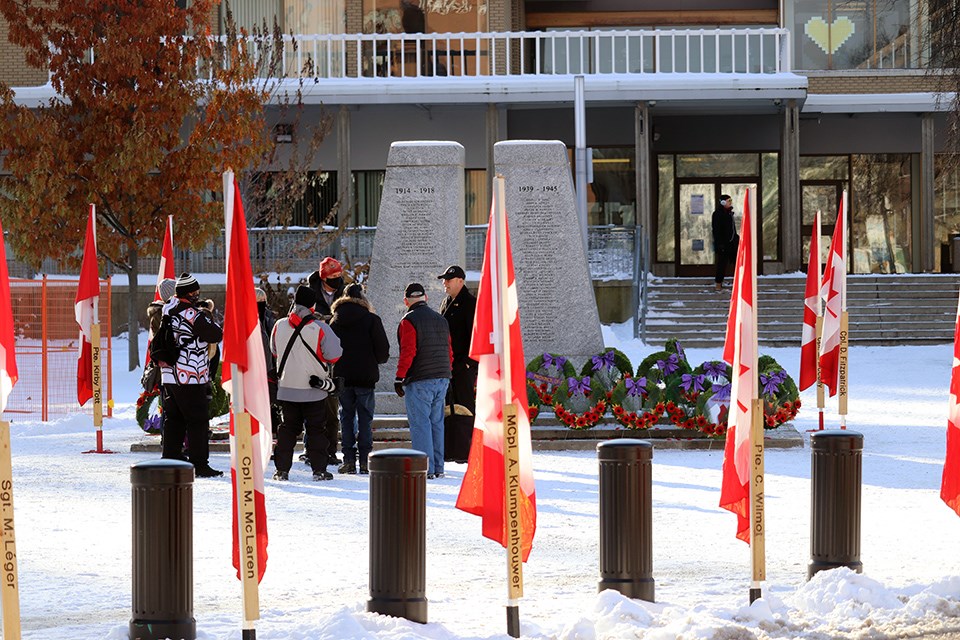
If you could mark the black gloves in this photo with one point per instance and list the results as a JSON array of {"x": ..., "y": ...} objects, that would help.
[{"x": 398, "y": 386}]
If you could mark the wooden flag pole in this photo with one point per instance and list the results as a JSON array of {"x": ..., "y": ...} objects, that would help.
[
  {"x": 821, "y": 400},
  {"x": 511, "y": 448},
  {"x": 842, "y": 385},
  {"x": 246, "y": 508},
  {"x": 758, "y": 563},
  {"x": 10, "y": 597}
]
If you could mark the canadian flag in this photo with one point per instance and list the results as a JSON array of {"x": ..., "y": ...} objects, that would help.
[
  {"x": 811, "y": 311},
  {"x": 166, "y": 270},
  {"x": 8, "y": 359},
  {"x": 85, "y": 308},
  {"x": 834, "y": 292},
  {"x": 950, "y": 484},
  {"x": 243, "y": 348},
  {"x": 740, "y": 351},
  {"x": 482, "y": 492}
]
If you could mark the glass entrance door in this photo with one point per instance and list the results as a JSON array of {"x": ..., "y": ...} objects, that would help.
[
  {"x": 823, "y": 196},
  {"x": 696, "y": 202}
]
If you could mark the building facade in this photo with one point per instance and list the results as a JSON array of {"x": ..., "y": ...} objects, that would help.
[{"x": 802, "y": 99}]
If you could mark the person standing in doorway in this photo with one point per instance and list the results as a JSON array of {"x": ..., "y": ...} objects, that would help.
[
  {"x": 725, "y": 238},
  {"x": 423, "y": 374}
]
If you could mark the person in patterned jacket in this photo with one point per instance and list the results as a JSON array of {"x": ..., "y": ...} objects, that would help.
[{"x": 185, "y": 403}]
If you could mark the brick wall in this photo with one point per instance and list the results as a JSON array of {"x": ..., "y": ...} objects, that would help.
[
  {"x": 13, "y": 70},
  {"x": 878, "y": 82}
]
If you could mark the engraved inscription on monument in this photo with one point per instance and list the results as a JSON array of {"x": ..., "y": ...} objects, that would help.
[{"x": 558, "y": 309}]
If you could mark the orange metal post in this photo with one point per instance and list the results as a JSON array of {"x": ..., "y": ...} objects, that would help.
[{"x": 44, "y": 395}]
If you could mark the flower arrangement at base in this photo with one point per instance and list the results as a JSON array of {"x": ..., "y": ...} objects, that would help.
[
  {"x": 606, "y": 369},
  {"x": 781, "y": 398},
  {"x": 710, "y": 415},
  {"x": 578, "y": 405},
  {"x": 151, "y": 423},
  {"x": 672, "y": 374},
  {"x": 636, "y": 403},
  {"x": 544, "y": 375}
]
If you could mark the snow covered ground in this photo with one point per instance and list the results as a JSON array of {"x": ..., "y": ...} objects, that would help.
[{"x": 74, "y": 535}]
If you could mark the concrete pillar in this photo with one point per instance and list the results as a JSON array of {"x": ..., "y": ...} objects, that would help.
[
  {"x": 926, "y": 235},
  {"x": 642, "y": 138},
  {"x": 790, "y": 214},
  {"x": 493, "y": 137},
  {"x": 344, "y": 177}
]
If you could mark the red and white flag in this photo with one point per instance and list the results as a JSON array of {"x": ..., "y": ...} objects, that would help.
[
  {"x": 85, "y": 308},
  {"x": 950, "y": 484},
  {"x": 834, "y": 292},
  {"x": 8, "y": 359},
  {"x": 483, "y": 490},
  {"x": 167, "y": 271},
  {"x": 811, "y": 311},
  {"x": 243, "y": 347},
  {"x": 740, "y": 351}
]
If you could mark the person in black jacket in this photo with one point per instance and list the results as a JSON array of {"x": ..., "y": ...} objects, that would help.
[
  {"x": 423, "y": 374},
  {"x": 724, "y": 238},
  {"x": 459, "y": 307},
  {"x": 185, "y": 381},
  {"x": 365, "y": 348}
]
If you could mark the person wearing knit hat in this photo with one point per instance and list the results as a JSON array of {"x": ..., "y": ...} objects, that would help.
[
  {"x": 305, "y": 348},
  {"x": 187, "y": 284},
  {"x": 186, "y": 382},
  {"x": 166, "y": 289},
  {"x": 327, "y": 282}
]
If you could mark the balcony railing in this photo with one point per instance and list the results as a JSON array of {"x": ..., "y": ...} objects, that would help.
[
  {"x": 296, "y": 252},
  {"x": 536, "y": 53}
]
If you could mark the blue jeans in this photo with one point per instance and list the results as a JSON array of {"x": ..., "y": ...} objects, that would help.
[
  {"x": 424, "y": 401},
  {"x": 356, "y": 420}
]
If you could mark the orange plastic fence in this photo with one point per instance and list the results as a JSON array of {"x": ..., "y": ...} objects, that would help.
[{"x": 47, "y": 337}]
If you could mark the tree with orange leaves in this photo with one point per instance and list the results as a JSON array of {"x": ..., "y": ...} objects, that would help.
[{"x": 149, "y": 109}]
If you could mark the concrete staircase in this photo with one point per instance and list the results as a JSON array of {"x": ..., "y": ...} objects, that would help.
[{"x": 883, "y": 309}]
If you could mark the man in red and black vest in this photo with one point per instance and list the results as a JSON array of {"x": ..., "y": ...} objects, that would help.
[{"x": 423, "y": 374}]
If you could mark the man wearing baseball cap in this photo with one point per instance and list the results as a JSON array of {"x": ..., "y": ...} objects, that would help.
[
  {"x": 459, "y": 307},
  {"x": 423, "y": 374}
]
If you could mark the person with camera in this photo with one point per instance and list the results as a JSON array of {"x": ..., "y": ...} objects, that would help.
[
  {"x": 328, "y": 283},
  {"x": 186, "y": 381},
  {"x": 306, "y": 348}
]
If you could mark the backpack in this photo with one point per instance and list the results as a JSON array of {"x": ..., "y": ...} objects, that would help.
[{"x": 164, "y": 347}]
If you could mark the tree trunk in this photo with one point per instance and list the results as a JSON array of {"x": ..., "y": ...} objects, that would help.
[{"x": 133, "y": 310}]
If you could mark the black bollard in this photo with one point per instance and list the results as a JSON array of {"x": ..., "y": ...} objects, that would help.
[
  {"x": 162, "y": 551},
  {"x": 398, "y": 542},
  {"x": 835, "y": 475},
  {"x": 626, "y": 517}
]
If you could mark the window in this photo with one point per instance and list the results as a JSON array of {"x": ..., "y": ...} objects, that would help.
[
  {"x": 367, "y": 189},
  {"x": 281, "y": 201},
  {"x": 477, "y": 196},
  {"x": 946, "y": 212},
  {"x": 881, "y": 212},
  {"x": 862, "y": 34}
]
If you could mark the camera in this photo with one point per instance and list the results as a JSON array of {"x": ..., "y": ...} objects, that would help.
[{"x": 315, "y": 382}]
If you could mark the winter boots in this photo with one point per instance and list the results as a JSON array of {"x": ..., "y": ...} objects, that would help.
[{"x": 348, "y": 466}]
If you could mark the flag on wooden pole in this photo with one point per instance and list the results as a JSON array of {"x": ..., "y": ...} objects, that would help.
[
  {"x": 85, "y": 308},
  {"x": 482, "y": 491},
  {"x": 245, "y": 378},
  {"x": 498, "y": 484},
  {"x": 742, "y": 488},
  {"x": 740, "y": 351},
  {"x": 834, "y": 292},
  {"x": 809, "y": 352},
  {"x": 950, "y": 484},
  {"x": 10, "y": 597}
]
